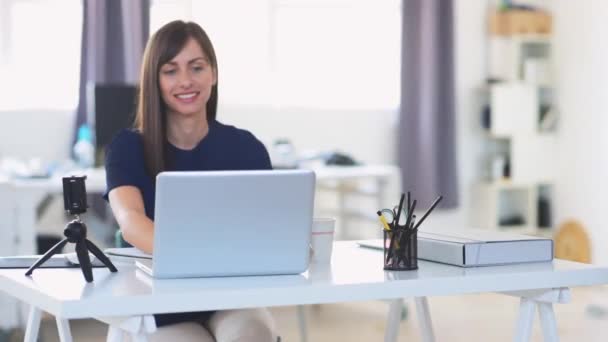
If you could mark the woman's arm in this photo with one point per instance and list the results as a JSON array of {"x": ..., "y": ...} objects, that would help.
[{"x": 128, "y": 207}]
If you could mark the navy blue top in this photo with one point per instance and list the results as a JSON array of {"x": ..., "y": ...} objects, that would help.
[{"x": 224, "y": 148}]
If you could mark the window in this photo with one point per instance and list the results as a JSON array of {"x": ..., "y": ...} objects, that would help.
[
  {"x": 340, "y": 54},
  {"x": 39, "y": 54}
]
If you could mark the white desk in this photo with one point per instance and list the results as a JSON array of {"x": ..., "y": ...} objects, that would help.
[
  {"x": 355, "y": 275},
  {"x": 19, "y": 199}
]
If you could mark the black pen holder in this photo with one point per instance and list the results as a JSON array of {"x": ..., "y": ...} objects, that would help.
[{"x": 401, "y": 249}]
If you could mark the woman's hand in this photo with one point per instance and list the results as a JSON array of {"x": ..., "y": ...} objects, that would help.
[{"x": 128, "y": 207}]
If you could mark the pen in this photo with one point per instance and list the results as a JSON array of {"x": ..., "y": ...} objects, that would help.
[
  {"x": 383, "y": 221},
  {"x": 410, "y": 212},
  {"x": 429, "y": 211},
  {"x": 390, "y": 252},
  {"x": 409, "y": 231},
  {"x": 409, "y": 203},
  {"x": 399, "y": 210}
]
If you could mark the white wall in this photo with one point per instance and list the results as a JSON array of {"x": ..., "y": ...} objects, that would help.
[
  {"x": 369, "y": 135},
  {"x": 36, "y": 134},
  {"x": 581, "y": 53}
]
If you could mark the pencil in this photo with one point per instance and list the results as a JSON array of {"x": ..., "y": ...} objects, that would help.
[
  {"x": 429, "y": 211},
  {"x": 399, "y": 210},
  {"x": 409, "y": 203},
  {"x": 410, "y": 213},
  {"x": 406, "y": 235},
  {"x": 390, "y": 252},
  {"x": 383, "y": 221}
]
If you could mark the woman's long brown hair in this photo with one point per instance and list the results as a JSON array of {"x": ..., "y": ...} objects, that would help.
[{"x": 151, "y": 115}]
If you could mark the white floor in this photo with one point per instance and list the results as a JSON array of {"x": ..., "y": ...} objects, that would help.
[{"x": 466, "y": 318}]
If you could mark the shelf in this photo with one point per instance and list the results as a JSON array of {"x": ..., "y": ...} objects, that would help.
[
  {"x": 508, "y": 55},
  {"x": 518, "y": 121},
  {"x": 515, "y": 228},
  {"x": 526, "y": 38},
  {"x": 490, "y": 135},
  {"x": 506, "y": 185},
  {"x": 540, "y": 133},
  {"x": 527, "y": 230}
]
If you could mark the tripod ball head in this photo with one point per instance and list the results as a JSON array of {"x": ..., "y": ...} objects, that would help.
[{"x": 75, "y": 231}]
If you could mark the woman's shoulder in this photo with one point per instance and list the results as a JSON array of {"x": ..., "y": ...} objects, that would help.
[
  {"x": 126, "y": 138},
  {"x": 244, "y": 146},
  {"x": 126, "y": 144},
  {"x": 232, "y": 132}
]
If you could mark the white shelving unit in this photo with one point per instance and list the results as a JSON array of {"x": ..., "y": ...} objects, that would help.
[
  {"x": 497, "y": 202},
  {"x": 510, "y": 55},
  {"x": 518, "y": 98}
]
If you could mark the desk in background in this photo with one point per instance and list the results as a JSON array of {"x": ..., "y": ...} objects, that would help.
[
  {"x": 26, "y": 195},
  {"x": 355, "y": 274},
  {"x": 348, "y": 181}
]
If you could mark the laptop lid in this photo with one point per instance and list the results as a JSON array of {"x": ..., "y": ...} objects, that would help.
[{"x": 225, "y": 223}]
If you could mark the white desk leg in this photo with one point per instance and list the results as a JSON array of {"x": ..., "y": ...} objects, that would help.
[
  {"x": 547, "y": 321},
  {"x": 525, "y": 320},
  {"x": 26, "y": 229},
  {"x": 392, "y": 322},
  {"x": 137, "y": 327},
  {"x": 341, "y": 193},
  {"x": 33, "y": 325},
  {"x": 141, "y": 337},
  {"x": 424, "y": 317},
  {"x": 302, "y": 323},
  {"x": 115, "y": 334},
  {"x": 26, "y": 220},
  {"x": 63, "y": 327},
  {"x": 544, "y": 299}
]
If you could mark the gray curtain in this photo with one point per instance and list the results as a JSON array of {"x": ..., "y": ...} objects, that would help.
[
  {"x": 114, "y": 35},
  {"x": 426, "y": 150}
]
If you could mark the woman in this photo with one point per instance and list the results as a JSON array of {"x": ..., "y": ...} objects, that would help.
[{"x": 176, "y": 130}]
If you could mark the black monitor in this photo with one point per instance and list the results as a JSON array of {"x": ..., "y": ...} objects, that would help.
[{"x": 113, "y": 108}]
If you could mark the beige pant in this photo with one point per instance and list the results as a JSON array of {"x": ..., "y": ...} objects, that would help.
[{"x": 251, "y": 325}]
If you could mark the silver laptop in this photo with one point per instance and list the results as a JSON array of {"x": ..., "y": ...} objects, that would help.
[{"x": 231, "y": 223}]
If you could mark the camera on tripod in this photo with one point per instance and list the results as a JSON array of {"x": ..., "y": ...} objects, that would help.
[
  {"x": 75, "y": 203},
  {"x": 74, "y": 195}
]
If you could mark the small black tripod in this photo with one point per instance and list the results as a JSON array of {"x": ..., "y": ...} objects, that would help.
[{"x": 75, "y": 203}]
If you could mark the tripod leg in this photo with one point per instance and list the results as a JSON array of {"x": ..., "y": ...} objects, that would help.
[
  {"x": 83, "y": 260},
  {"x": 102, "y": 257},
  {"x": 46, "y": 256}
]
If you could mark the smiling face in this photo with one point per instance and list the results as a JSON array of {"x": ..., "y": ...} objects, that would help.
[{"x": 186, "y": 81}]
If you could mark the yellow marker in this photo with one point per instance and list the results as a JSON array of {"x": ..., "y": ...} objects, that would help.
[{"x": 384, "y": 223}]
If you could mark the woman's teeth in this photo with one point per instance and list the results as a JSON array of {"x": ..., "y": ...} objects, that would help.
[{"x": 186, "y": 96}]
